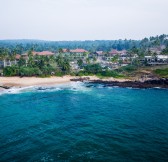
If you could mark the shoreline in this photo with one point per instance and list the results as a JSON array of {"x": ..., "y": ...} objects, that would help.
[
  {"x": 18, "y": 82},
  {"x": 125, "y": 83},
  {"x": 134, "y": 84}
]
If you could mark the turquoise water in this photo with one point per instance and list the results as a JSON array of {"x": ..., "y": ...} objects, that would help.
[{"x": 78, "y": 122}]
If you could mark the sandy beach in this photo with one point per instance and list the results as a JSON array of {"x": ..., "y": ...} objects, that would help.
[
  {"x": 35, "y": 81},
  {"x": 32, "y": 81}
]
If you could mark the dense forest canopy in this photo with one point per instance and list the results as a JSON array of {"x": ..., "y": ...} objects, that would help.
[{"x": 97, "y": 45}]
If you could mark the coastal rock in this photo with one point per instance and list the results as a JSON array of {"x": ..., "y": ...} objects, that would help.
[
  {"x": 81, "y": 79},
  {"x": 5, "y": 87},
  {"x": 162, "y": 83}
]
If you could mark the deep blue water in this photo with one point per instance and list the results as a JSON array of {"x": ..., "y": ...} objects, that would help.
[{"x": 79, "y": 123}]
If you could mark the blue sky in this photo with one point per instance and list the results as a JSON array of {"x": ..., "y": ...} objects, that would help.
[{"x": 82, "y": 19}]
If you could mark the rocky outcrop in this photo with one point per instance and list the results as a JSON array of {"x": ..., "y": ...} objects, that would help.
[
  {"x": 162, "y": 83},
  {"x": 151, "y": 83},
  {"x": 80, "y": 79},
  {"x": 5, "y": 87}
]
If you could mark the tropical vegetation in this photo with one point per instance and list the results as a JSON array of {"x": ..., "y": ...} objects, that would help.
[{"x": 59, "y": 64}]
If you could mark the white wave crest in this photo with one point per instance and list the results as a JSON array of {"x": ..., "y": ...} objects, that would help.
[{"x": 73, "y": 86}]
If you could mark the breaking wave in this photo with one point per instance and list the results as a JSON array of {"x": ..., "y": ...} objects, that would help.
[{"x": 73, "y": 86}]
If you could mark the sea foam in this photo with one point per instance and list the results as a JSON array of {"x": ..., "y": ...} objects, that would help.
[{"x": 73, "y": 86}]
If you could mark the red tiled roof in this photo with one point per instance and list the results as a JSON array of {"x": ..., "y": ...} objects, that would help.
[
  {"x": 114, "y": 52},
  {"x": 17, "y": 56},
  {"x": 43, "y": 53},
  {"x": 78, "y": 50}
]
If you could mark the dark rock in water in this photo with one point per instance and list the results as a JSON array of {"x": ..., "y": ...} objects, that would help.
[
  {"x": 162, "y": 83},
  {"x": 89, "y": 86},
  {"x": 5, "y": 87},
  {"x": 41, "y": 88},
  {"x": 81, "y": 79}
]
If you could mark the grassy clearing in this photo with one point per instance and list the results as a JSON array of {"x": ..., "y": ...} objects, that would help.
[{"x": 162, "y": 72}]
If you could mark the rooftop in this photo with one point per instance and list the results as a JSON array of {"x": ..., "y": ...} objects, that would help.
[
  {"x": 17, "y": 56},
  {"x": 78, "y": 50},
  {"x": 43, "y": 53}
]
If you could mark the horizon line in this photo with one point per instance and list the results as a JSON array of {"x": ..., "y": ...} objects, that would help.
[{"x": 34, "y": 39}]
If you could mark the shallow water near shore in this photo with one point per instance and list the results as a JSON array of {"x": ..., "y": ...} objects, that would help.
[{"x": 83, "y": 122}]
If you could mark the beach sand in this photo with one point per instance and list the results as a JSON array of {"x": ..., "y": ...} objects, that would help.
[
  {"x": 19, "y": 82},
  {"x": 32, "y": 81}
]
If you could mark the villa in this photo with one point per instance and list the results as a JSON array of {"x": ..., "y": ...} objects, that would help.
[
  {"x": 43, "y": 53},
  {"x": 78, "y": 51}
]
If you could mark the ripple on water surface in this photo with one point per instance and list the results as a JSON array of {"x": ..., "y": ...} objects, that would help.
[{"x": 83, "y": 122}]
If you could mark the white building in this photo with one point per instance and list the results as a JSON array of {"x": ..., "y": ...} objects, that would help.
[{"x": 162, "y": 58}]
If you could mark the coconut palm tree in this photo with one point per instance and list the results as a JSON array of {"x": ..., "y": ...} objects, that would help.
[
  {"x": 59, "y": 60},
  {"x": 12, "y": 56},
  {"x": 115, "y": 59},
  {"x": 60, "y": 50},
  {"x": 66, "y": 66},
  {"x": 80, "y": 62},
  {"x": 88, "y": 60},
  {"x": 94, "y": 59},
  {"x": 4, "y": 53}
]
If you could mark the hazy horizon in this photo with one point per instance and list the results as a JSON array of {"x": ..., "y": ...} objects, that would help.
[
  {"x": 34, "y": 39},
  {"x": 79, "y": 20}
]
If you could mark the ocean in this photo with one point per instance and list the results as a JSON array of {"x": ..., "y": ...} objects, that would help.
[{"x": 83, "y": 122}]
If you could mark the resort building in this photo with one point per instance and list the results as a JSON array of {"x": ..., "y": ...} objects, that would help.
[
  {"x": 78, "y": 51},
  {"x": 43, "y": 53}
]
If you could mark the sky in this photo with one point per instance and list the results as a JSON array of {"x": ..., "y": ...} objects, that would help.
[{"x": 82, "y": 19}]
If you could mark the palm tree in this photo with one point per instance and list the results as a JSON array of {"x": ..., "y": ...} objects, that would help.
[
  {"x": 31, "y": 60},
  {"x": 88, "y": 60},
  {"x": 94, "y": 59},
  {"x": 115, "y": 59},
  {"x": 30, "y": 54},
  {"x": 80, "y": 62},
  {"x": 156, "y": 42},
  {"x": 52, "y": 59},
  {"x": 133, "y": 52},
  {"x": 22, "y": 62},
  {"x": 12, "y": 56},
  {"x": 59, "y": 60},
  {"x": 85, "y": 54},
  {"x": 4, "y": 55},
  {"x": 40, "y": 61},
  {"x": 60, "y": 50},
  {"x": 66, "y": 66}
]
